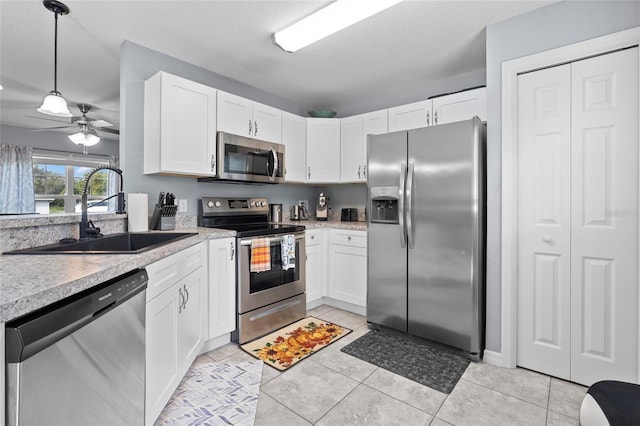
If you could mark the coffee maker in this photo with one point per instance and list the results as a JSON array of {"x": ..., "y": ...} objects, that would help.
[{"x": 322, "y": 209}]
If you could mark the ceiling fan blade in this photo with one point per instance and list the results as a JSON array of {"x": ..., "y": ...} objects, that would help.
[
  {"x": 50, "y": 119},
  {"x": 100, "y": 123},
  {"x": 51, "y": 128},
  {"x": 107, "y": 130}
]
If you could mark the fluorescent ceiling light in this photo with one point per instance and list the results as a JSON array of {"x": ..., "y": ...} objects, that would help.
[{"x": 331, "y": 19}]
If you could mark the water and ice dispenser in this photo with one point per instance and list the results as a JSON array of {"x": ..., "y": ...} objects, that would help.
[{"x": 384, "y": 204}]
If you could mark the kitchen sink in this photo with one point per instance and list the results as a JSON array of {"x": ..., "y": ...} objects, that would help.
[{"x": 126, "y": 243}]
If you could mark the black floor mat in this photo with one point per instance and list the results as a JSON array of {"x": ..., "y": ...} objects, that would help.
[{"x": 411, "y": 358}]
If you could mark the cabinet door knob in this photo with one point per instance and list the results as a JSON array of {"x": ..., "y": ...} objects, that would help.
[
  {"x": 547, "y": 238},
  {"x": 349, "y": 238},
  {"x": 313, "y": 237}
]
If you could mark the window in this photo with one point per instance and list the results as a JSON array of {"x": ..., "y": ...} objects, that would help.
[{"x": 58, "y": 180}]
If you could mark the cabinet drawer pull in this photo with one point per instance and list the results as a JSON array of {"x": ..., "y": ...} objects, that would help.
[{"x": 180, "y": 300}]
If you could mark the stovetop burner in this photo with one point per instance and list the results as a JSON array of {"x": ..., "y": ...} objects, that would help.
[
  {"x": 247, "y": 216},
  {"x": 258, "y": 229}
]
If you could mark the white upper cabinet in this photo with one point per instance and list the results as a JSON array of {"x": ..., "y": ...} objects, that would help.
[
  {"x": 243, "y": 117},
  {"x": 439, "y": 110},
  {"x": 410, "y": 116},
  {"x": 323, "y": 150},
  {"x": 353, "y": 143},
  {"x": 351, "y": 149},
  {"x": 294, "y": 137},
  {"x": 460, "y": 106},
  {"x": 373, "y": 123},
  {"x": 179, "y": 126}
]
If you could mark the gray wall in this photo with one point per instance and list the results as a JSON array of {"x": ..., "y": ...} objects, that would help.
[
  {"x": 56, "y": 141},
  {"x": 556, "y": 25},
  {"x": 137, "y": 64}
]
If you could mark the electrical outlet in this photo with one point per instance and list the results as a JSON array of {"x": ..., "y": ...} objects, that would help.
[
  {"x": 182, "y": 205},
  {"x": 304, "y": 203}
]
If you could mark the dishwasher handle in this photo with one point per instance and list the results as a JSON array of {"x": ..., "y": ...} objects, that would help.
[{"x": 31, "y": 333}]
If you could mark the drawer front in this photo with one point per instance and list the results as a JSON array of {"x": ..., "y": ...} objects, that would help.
[
  {"x": 313, "y": 237},
  {"x": 348, "y": 238},
  {"x": 166, "y": 272}
]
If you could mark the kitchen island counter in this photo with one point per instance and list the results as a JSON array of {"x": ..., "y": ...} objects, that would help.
[{"x": 29, "y": 282}]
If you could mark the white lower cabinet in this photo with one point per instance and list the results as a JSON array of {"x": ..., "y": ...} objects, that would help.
[
  {"x": 222, "y": 286},
  {"x": 176, "y": 323},
  {"x": 347, "y": 279},
  {"x": 316, "y": 265}
]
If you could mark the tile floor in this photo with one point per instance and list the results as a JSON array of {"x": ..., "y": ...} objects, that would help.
[{"x": 333, "y": 388}]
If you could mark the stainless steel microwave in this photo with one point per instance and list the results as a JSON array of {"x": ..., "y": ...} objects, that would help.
[{"x": 243, "y": 159}]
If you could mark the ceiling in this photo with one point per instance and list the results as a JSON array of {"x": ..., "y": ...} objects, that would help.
[{"x": 395, "y": 50}]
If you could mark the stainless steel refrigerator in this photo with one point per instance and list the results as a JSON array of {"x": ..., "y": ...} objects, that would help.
[{"x": 426, "y": 233}]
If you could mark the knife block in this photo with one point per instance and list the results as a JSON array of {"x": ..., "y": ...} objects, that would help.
[{"x": 163, "y": 218}]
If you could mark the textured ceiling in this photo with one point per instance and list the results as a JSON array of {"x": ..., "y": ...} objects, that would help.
[{"x": 400, "y": 48}]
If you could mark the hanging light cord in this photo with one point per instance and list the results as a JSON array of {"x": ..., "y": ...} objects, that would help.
[{"x": 55, "y": 55}]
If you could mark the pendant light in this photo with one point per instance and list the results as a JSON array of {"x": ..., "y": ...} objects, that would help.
[{"x": 54, "y": 104}]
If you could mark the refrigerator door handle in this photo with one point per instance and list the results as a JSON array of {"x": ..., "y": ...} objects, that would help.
[
  {"x": 401, "y": 221},
  {"x": 411, "y": 232}
]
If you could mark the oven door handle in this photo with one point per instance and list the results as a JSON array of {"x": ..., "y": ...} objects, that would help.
[{"x": 247, "y": 242}]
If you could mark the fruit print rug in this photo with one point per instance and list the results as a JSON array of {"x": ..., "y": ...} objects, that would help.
[{"x": 291, "y": 344}]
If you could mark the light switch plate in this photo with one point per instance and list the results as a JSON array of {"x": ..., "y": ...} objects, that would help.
[{"x": 182, "y": 206}]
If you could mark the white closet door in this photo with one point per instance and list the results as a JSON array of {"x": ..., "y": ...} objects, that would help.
[
  {"x": 544, "y": 228},
  {"x": 604, "y": 231}
]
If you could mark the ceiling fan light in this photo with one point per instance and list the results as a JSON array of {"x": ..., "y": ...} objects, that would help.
[
  {"x": 86, "y": 138},
  {"x": 336, "y": 16},
  {"x": 54, "y": 104}
]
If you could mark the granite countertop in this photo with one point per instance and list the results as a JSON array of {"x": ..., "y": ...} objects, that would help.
[
  {"x": 336, "y": 224},
  {"x": 29, "y": 282}
]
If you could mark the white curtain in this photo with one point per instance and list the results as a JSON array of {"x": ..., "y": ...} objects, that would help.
[{"x": 16, "y": 179}]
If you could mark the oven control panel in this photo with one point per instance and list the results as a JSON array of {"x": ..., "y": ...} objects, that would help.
[{"x": 230, "y": 206}]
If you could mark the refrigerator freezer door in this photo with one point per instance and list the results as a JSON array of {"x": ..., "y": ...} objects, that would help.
[
  {"x": 445, "y": 295},
  {"x": 387, "y": 258}
]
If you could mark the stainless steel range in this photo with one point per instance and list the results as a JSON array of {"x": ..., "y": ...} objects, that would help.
[{"x": 274, "y": 296}]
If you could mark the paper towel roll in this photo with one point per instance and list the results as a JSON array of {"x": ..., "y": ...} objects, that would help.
[{"x": 138, "y": 212}]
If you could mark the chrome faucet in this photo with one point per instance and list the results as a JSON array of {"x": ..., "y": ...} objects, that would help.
[{"x": 87, "y": 229}]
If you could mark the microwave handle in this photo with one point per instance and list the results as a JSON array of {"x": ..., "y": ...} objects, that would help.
[{"x": 272, "y": 177}]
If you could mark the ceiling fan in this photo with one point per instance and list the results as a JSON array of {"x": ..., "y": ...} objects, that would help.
[{"x": 86, "y": 124}]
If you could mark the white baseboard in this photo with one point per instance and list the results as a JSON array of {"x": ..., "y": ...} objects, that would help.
[
  {"x": 315, "y": 303},
  {"x": 346, "y": 306},
  {"x": 215, "y": 343},
  {"x": 493, "y": 358}
]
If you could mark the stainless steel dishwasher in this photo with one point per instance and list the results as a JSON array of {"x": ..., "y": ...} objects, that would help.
[{"x": 80, "y": 361}]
